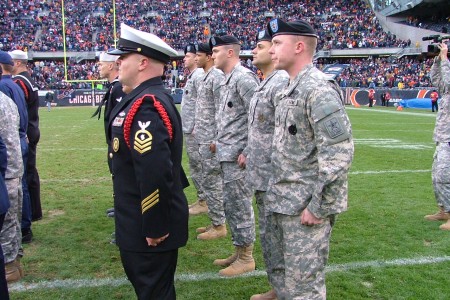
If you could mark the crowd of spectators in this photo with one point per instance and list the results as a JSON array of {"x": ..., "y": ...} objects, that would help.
[
  {"x": 37, "y": 24},
  {"x": 404, "y": 73},
  {"x": 440, "y": 23}
]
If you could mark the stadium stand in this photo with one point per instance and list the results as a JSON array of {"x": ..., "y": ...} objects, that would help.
[{"x": 347, "y": 29}]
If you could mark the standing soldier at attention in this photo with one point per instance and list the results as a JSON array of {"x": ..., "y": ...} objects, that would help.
[
  {"x": 312, "y": 154},
  {"x": 23, "y": 79},
  {"x": 190, "y": 137},
  {"x": 261, "y": 124},
  {"x": 151, "y": 211},
  {"x": 236, "y": 91},
  {"x": 109, "y": 70},
  {"x": 207, "y": 106},
  {"x": 10, "y": 236},
  {"x": 440, "y": 77}
]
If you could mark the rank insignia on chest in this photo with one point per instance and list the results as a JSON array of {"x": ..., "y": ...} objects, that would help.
[
  {"x": 143, "y": 138},
  {"x": 261, "y": 118},
  {"x": 115, "y": 144},
  {"x": 118, "y": 121}
]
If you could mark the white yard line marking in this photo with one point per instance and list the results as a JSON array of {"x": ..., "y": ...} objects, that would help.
[
  {"x": 78, "y": 180},
  {"x": 103, "y": 179},
  {"x": 392, "y": 144},
  {"x": 73, "y": 149},
  {"x": 392, "y": 112},
  {"x": 388, "y": 171},
  {"x": 114, "y": 282}
]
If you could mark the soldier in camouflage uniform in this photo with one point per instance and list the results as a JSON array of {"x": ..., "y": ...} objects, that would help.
[
  {"x": 312, "y": 154},
  {"x": 440, "y": 76},
  {"x": 10, "y": 236},
  {"x": 208, "y": 101},
  {"x": 261, "y": 123},
  {"x": 188, "y": 118},
  {"x": 236, "y": 91}
]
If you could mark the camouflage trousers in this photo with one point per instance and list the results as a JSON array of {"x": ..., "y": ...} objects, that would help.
[
  {"x": 195, "y": 164},
  {"x": 440, "y": 175},
  {"x": 212, "y": 185},
  {"x": 11, "y": 234},
  {"x": 262, "y": 220},
  {"x": 237, "y": 201},
  {"x": 298, "y": 255}
]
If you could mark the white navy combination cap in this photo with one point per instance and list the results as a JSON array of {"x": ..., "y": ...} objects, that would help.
[
  {"x": 136, "y": 41},
  {"x": 107, "y": 57},
  {"x": 18, "y": 54}
]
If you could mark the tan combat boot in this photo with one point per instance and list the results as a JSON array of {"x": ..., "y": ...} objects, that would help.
[
  {"x": 203, "y": 229},
  {"x": 12, "y": 272},
  {"x": 198, "y": 207},
  {"x": 19, "y": 266},
  {"x": 446, "y": 225},
  {"x": 214, "y": 232},
  {"x": 270, "y": 295},
  {"x": 439, "y": 216},
  {"x": 243, "y": 264},
  {"x": 193, "y": 204},
  {"x": 225, "y": 262}
]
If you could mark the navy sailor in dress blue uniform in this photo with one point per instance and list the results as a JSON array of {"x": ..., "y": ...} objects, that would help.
[{"x": 151, "y": 211}]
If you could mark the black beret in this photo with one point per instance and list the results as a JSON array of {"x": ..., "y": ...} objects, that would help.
[
  {"x": 203, "y": 48},
  {"x": 190, "y": 48},
  {"x": 298, "y": 27},
  {"x": 263, "y": 35},
  {"x": 223, "y": 40}
]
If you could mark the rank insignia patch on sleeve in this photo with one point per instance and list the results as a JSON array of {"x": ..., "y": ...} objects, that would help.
[
  {"x": 143, "y": 138},
  {"x": 334, "y": 127},
  {"x": 150, "y": 201}
]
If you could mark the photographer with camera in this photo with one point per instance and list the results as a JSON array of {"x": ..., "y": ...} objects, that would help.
[{"x": 440, "y": 77}]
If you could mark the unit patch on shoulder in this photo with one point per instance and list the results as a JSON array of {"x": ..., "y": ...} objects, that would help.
[
  {"x": 334, "y": 127},
  {"x": 143, "y": 138},
  {"x": 115, "y": 144}
]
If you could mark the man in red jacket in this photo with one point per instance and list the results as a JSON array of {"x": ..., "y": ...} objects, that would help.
[{"x": 434, "y": 100}]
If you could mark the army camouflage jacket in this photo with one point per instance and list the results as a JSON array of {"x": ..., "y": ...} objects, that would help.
[
  {"x": 207, "y": 106},
  {"x": 236, "y": 92},
  {"x": 312, "y": 148},
  {"x": 9, "y": 132},
  {"x": 440, "y": 77},
  {"x": 189, "y": 100},
  {"x": 261, "y": 124}
]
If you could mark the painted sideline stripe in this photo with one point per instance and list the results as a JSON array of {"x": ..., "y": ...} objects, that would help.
[
  {"x": 114, "y": 282},
  {"x": 392, "y": 112}
]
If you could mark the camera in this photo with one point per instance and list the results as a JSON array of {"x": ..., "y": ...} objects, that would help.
[{"x": 433, "y": 48}]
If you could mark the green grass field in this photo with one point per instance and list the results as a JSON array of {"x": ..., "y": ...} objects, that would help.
[{"x": 381, "y": 248}]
